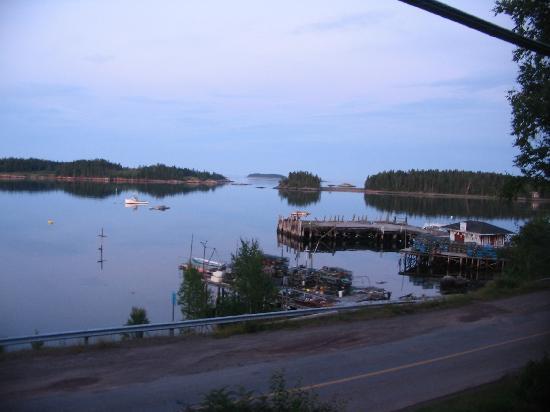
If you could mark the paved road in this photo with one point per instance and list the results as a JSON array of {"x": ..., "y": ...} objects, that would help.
[{"x": 411, "y": 359}]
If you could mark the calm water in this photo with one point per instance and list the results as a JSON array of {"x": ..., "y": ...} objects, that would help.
[{"x": 51, "y": 281}]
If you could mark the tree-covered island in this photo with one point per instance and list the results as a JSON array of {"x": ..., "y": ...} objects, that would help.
[
  {"x": 103, "y": 170},
  {"x": 455, "y": 182},
  {"x": 300, "y": 180}
]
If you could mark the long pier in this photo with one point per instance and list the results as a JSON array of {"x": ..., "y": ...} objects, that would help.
[{"x": 336, "y": 233}]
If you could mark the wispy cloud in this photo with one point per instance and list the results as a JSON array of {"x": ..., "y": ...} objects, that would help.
[{"x": 352, "y": 21}]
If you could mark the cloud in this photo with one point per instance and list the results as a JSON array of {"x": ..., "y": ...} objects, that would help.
[{"x": 352, "y": 21}]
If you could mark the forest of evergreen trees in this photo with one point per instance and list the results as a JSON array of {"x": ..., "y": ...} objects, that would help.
[
  {"x": 300, "y": 179},
  {"x": 101, "y": 168},
  {"x": 448, "y": 181}
]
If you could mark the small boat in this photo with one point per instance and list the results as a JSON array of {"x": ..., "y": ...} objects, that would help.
[
  {"x": 161, "y": 208},
  {"x": 299, "y": 214},
  {"x": 209, "y": 265},
  {"x": 135, "y": 201}
]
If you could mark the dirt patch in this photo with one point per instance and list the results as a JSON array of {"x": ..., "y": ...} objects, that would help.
[{"x": 479, "y": 311}]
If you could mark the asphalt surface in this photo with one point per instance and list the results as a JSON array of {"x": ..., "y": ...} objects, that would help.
[{"x": 377, "y": 365}]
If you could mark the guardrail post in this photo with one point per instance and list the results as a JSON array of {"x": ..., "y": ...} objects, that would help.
[
  {"x": 171, "y": 332},
  {"x": 86, "y": 340}
]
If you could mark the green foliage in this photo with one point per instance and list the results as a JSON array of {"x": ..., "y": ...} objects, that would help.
[
  {"x": 253, "y": 288},
  {"x": 280, "y": 399},
  {"x": 534, "y": 384},
  {"x": 528, "y": 257},
  {"x": 138, "y": 316},
  {"x": 531, "y": 101},
  {"x": 101, "y": 168},
  {"x": 450, "y": 181},
  {"x": 194, "y": 297},
  {"x": 160, "y": 171},
  {"x": 530, "y": 391},
  {"x": 301, "y": 179}
]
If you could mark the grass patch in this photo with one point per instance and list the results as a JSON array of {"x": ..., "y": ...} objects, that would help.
[{"x": 527, "y": 391}]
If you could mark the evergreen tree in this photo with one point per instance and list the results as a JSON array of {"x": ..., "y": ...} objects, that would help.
[
  {"x": 254, "y": 288},
  {"x": 531, "y": 101},
  {"x": 300, "y": 179},
  {"x": 138, "y": 316},
  {"x": 528, "y": 257},
  {"x": 193, "y": 295}
]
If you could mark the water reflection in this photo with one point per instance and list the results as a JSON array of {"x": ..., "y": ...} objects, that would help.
[
  {"x": 472, "y": 208},
  {"x": 101, "y": 190},
  {"x": 300, "y": 198},
  {"x": 331, "y": 245}
]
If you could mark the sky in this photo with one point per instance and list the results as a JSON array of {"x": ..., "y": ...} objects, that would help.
[{"x": 340, "y": 88}]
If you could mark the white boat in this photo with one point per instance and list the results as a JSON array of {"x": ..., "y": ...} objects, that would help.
[
  {"x": 135, "y": 201},
  {"x": 209, "y": 265}
]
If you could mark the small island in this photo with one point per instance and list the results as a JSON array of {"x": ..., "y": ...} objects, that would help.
[
  {"x": 300, "y": 180},
  {"x": 265, "y": 176},
  {"x": 103, "y": 171}
]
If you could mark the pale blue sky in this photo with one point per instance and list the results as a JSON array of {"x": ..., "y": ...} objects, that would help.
[{"x": 343, "y": 89}]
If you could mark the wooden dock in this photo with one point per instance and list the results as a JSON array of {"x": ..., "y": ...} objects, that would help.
[
  {"x": 339, "y": 234},
  {"x": 448, "y": 262}
]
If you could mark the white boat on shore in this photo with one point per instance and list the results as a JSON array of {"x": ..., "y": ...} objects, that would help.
[
  {"x": 209, "y": 265},
  {"x": 135, "y": 201}
]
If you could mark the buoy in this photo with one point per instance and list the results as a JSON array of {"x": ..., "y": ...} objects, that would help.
[{"x": 50, "y": 222}]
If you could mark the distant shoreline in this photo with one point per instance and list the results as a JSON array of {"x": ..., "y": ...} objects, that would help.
[
  {"x": 192, "y": 181},
  {"x": 210, "y": 182}
]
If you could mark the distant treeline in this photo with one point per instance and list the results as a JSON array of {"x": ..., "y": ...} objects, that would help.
[
  {"x": 452, "y": 182},
  {"x": 300, "y": 179},
  {"x": 101, "y": 168}
]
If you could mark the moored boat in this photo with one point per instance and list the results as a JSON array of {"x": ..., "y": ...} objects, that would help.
[
  {"x": 209, "y": 265},
  {"x": 135, "y": 201}
]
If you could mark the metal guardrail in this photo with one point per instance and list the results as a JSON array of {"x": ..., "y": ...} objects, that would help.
[{"x": 171, "y": 326}]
